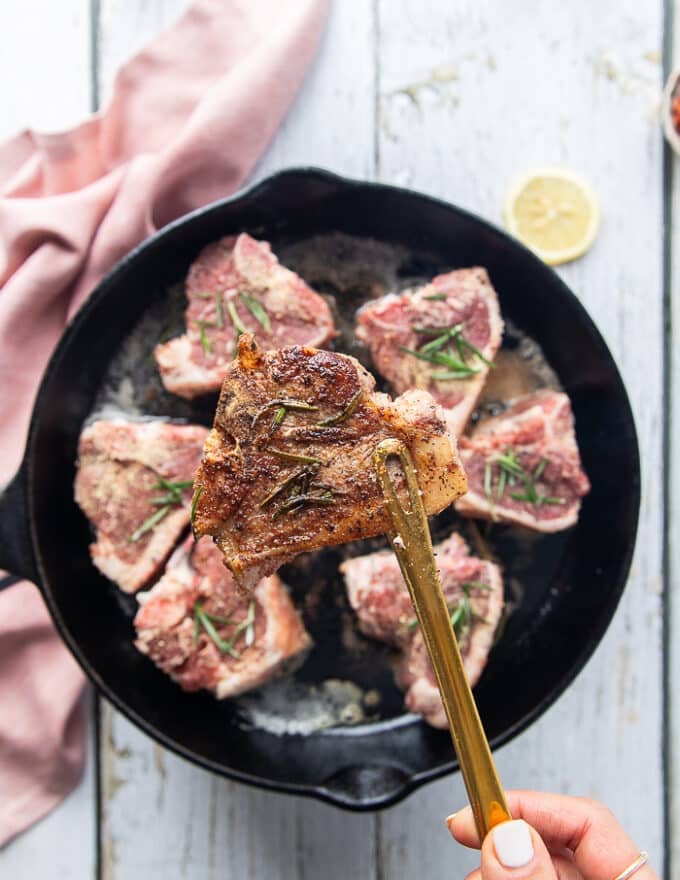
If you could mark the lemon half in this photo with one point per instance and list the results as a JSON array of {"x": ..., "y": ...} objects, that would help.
[{"x": 555, "y": 213}]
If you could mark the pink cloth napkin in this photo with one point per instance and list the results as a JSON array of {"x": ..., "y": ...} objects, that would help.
[{"x": 189, "y": 117}]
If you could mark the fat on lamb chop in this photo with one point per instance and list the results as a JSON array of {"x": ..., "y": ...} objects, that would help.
[
  {"x": 523, "y": 466},
  {"x": 288, "y": 466},
  {"x": 199, "y": 629},
  {"x": 236, "y": 285},
  {"x": 441, "y": 338},
  {"x": 473, "y": 590},
  {"x": 134, "y": 484}
]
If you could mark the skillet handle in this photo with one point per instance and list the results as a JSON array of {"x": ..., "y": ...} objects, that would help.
[
  {"x": 370, "y": 787},
  {"x": 16, "y": 550}
]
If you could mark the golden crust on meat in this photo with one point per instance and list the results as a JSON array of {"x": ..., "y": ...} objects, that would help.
[{"x": 288, "y": 466}]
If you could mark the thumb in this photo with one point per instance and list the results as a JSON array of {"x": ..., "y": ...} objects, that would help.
[{"x": 514, "y": 851}]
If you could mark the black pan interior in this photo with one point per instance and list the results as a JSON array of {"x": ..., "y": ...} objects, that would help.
[{"x": 570, "y": 583}]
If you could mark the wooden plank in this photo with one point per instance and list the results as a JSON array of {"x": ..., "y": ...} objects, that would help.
[
  {"x": 47, "y": 69},
  {"x": 207, "y": 827},
  {"x": 466, "y": 105},
  {"x": 673, "y": 512},
  {"x": 203, "y": 826}
]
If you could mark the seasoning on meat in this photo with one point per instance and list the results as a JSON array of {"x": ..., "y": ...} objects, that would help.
[
  {"x": 523, "y": 466},
  {"x": 288, "y": 466},
  {"x": 134, "y": 484},
  {"x": 197, "y": 627},
  {"x": 442, "y": 338},
  {"x": 473, "y": 591},
  {"x": 237, "y": 285}
]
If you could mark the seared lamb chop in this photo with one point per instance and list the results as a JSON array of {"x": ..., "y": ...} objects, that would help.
[
  {"x": 473, "y": 590},
  {"x": 134, "y": 484},
  {"x": 198, "y": 628},
  {"x": 288, "y": 465},
  {"x": 523, "y": 466},
  {"x": 237, "y": 284},
  {"x": 441, "y": 337}
]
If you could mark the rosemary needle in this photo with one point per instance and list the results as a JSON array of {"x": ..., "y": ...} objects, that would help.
[
  {"x": 292, "y": 456},
  {"x": 257, "y": 311}
]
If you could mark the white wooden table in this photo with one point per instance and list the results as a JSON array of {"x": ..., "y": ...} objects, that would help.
[{"x": 455, "y": 98}]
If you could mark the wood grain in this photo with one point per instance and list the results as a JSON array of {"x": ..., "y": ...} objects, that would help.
[
  {"x": 469, "y": 99},
  {"x": 673, "y": 512},
  {"x": 46, "y": 69}
]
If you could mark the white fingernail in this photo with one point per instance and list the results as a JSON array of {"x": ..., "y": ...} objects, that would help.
[{"x": 512, "y": 843}]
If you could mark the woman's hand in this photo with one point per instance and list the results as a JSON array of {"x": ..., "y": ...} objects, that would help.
[{"x": 553, "y": 837}]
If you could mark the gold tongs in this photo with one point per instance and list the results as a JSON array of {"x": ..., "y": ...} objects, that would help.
[{"x": 412, "y": 544}]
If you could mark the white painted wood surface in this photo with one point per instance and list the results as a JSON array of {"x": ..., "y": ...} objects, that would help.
[
  {"x": 673, "y": 560},
  {"x": 541, "y": 87},
  {"x": 468, "y": 97}
]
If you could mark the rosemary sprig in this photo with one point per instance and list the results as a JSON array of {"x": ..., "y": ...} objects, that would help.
[
  {"x": 475, "y": 351},
  {"x": 194, "y": 505},
  {"x": 239, "y": 326},
  {"x": 502, "y": 481},
  {"x": 284, "y": 484},
  {"x": 149, "y": 523},
  {"x": 205, "y": 342},
  {"x": 449, "y": 332},
  {"x": 433, "y": 351},
  {"x": 299, "y": 490},
  {"x": 297, "y": 502},
  {"x": 442, "y": 375},
  {"x": 510, "y": 471},
  {"x": 538, "y": 500},
  {"x": 435, "y": 297},
  {"x": 540, "y": 467},
  {"x": 284, "y": 404},
  {"x": 279, "y": 416},
  {"x": 461, "y": 613},
  {"x": 345, "y": 414},
  {"x": 292, "y": 456},
  {"x": 476, "y": 585},
  {"x": 205, "y": 620},
  {"x": 219, "y": 310},
  {"x": 177, "y": 487},
  {"x": 257, "y": 311},
  {"x": 202, "y": 619},
  {"x": 172, "y": 498},
  {"x": 488, "y": 476},
  {"x": 440, "y": 359}
]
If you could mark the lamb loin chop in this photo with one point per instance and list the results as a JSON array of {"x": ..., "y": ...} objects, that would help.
[
  {"x": 441, "y": 338},
  {"x": 473, "y": 590},
  {"x": 203, "y": 633},
  {"x": 237, "y": 285},
  {"x": 523, "y": 466},
  {"x": 288, "y": 466},
  {"x": 134, "y": 484}
]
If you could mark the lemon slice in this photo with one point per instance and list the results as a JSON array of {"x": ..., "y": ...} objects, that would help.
[{"x": 555, "y": 213}]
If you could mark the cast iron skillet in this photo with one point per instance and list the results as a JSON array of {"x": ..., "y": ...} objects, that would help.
[{"x": 571, "y": 582}]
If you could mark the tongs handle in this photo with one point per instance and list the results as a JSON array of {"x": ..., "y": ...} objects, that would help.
[{"x": 412, "y": 545}]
